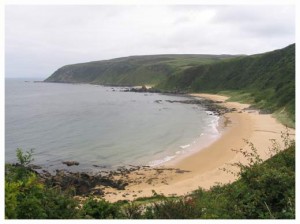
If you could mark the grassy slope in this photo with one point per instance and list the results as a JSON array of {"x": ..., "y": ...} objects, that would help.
[
  {"x": 265, "y": 80},
  {"x": 134, "y": 70}
]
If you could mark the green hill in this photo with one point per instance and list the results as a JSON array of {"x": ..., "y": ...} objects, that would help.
[
  {"x": 267, "y": 80},
  {"x": 134, "y": 70}
]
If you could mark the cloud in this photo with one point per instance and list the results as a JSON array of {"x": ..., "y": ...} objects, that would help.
[
  {"x": 40, "y": 39},
  {"x": 261, "y": 22}
]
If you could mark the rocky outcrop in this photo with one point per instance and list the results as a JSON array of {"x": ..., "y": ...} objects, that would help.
[{"x": 83, "y": 183}]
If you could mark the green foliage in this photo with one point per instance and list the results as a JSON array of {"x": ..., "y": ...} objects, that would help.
[
  {"x": 20, "y": 171},
  {"x": 238, "y": 96},
  {"x": 133, "y": 210},
  {"x": 284, "y": 117},
  {"x": 24, "y": 158},
  {"x": 100, "y": 209},
  {"x": 265, "y": 190},
  {"x": 26, "y": 197},
  {"x": 172, "y": 209},
  {"x": 11, "y": 201}
]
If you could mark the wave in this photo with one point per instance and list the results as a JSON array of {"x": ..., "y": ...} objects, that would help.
[
  {"x": 185, "y": 146},
  {"x": 205, "y": 139},
  {"x": 161, "y": 161}
]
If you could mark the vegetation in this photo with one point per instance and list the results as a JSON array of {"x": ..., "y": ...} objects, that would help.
[
  {"x": 100, "y": 209},
  {"x": 26, "y": 197},
  {"x": 265, "y": 80},
  {"x": 134, "y": 70},
  {"x": 264, "y": 190}
]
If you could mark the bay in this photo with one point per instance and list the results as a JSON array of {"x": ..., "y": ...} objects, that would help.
[{"x": 98, "y": 125}]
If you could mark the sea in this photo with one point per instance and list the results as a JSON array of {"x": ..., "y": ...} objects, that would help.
[{"x": 101, "y": 127}]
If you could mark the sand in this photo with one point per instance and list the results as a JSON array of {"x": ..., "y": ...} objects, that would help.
[{"x": 204, "y": 167}]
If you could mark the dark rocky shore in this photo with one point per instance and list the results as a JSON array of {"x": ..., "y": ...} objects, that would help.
[
  {"x": 210, "y": 105},
  {"x": 86, "y": 184},
  {"x": 144, "y": 89}
]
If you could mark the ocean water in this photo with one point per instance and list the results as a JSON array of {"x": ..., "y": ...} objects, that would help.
[{"x": 102, "y": 126}]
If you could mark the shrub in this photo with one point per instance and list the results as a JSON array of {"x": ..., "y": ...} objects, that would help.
[
  {"x": 101, "y": 209},
  {"x": 133, "y": 211},
  {"x": 26, "y": 197},
  {"x": 172, "y": 209}
]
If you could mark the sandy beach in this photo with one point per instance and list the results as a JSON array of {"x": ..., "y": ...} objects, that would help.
[{"x": 203, "y": 167}]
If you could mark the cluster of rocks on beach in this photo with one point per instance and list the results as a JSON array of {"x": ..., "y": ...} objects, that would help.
[{"x": 100, "y": 183}]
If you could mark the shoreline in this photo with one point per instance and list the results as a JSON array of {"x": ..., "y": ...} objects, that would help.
[
  {"x": 202, "y": 141},
  {"x": 203, "y": 167}
]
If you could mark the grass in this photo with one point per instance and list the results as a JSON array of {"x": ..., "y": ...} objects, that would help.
[
  {"x": 283, "y": 117},
  {"x": 238, "y": 96},
  {"x": 281, "y": 114}
]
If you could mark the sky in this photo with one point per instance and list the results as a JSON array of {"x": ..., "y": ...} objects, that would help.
[{"x": 41, "y": 39}]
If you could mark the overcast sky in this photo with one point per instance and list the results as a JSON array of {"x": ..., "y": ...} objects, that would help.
[{"x": 40, "y": 39}]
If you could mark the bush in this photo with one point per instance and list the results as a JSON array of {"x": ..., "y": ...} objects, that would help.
[
  {"x": 133, "y": 211},
  {"x": 26, "y": 197},
  {"x": 100, "y": 209},
  {"x": 173, "y": 209}
]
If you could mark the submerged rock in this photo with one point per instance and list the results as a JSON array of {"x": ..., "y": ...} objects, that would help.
[
  {"x": 70, "y": 163},
  {"x": 34, "y": 167}
]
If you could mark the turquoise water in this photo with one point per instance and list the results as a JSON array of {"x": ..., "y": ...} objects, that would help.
[{"x": 98, "y": 125}]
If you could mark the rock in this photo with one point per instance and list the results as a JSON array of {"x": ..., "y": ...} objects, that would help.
[
  {"x": 46, "y": 174},
  {"x": 264, "y": 111},
  {"x": 85, "y": 183},
  {"x": 83, "y": 188},
  {"x": 181, "y": 171},
  {"x": 71, "y": 163},
  {"x": 98, "y": 192},
  {"x": 85, "y": 176},
  {"x": 100, "y": 166},
  {"x": 34, "y": 167},
  {"x": 121, "y": 186}
]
